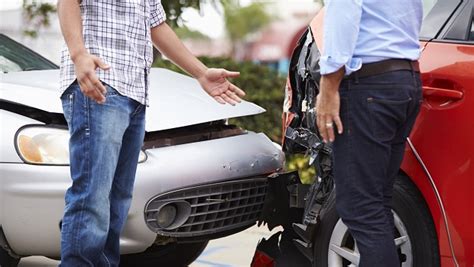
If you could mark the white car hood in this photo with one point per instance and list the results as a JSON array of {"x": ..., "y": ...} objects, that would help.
[{"x": 176, "y": 100}]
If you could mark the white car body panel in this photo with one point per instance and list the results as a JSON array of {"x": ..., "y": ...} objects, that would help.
[
  {"x": 32, "y": 196},
  {"x": 7, "y": 135},
  {"x": 33, "y": 203},
  {"x": 40, "y": 89}
]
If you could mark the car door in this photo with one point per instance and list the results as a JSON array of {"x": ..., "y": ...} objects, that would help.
[{"x": 444, "y": 133}]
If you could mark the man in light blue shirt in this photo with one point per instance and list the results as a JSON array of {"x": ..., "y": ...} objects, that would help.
[{"x": 370, "y": 92}]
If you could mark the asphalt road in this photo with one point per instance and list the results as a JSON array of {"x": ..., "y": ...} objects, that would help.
[{"x": 232, "y": 251}]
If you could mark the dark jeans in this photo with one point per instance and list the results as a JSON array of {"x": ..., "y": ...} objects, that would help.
[
  {"x": 104, "y": 148},
  {"x": 378, "y": 113}
]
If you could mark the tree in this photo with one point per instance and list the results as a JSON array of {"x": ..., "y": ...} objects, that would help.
[
  {"x": 174, "y": 8},
  {"x": 242, "y": 21},
  {"x": 184, "y": 32},
  {"x": 37, "y": 13}
]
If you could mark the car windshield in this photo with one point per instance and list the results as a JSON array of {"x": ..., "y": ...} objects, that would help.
[
  {"x": 428, "y": 6},
  {"x": 16, "y": 57}
]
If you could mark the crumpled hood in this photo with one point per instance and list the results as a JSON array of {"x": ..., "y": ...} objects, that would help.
[{"x": 176, "y": 100}]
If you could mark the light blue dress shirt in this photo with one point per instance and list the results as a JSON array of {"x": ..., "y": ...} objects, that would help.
[{"x": 364, "y": 31}]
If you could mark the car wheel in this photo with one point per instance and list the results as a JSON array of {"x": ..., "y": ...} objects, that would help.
[
  {"x": 6, "y": 260},
  {"x": 174, "y": 254},
  {"x": 415, "y": 234}
]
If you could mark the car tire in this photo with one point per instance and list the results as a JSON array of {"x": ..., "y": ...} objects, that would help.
[
  {"x": 174, "y": 254},
  {"x": 412, "y": 218},
  {"x": 6, "y": 260}
]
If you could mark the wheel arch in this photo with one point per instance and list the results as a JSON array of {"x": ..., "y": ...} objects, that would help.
[{"x": 415, "y": 171}]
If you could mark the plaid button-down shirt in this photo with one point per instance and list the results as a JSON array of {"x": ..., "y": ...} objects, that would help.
[{"x": 118, "y": 32}]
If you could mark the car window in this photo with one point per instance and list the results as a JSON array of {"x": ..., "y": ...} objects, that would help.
[
  {"x": 17, "y": 57},
  {"x": 428, "y": 6},
  {"x": 459, "y": 27},
  {"x": 435, "y": 14},
  {"x": 7, "y": 65}
]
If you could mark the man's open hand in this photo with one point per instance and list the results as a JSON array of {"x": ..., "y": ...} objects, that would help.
[
  {"x": 215, "y": 83},
  {"x": 85, "y": 66},
  {"x": 327, "y": 112},
  {"x": 328, "y": 104}
]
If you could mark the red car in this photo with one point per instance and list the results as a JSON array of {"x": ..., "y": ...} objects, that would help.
[{"x": 434, "y": 192}]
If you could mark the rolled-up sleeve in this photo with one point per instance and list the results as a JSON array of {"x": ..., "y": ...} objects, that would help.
[
  {"x": 157, "y": 14},
  {"x": 341, "y": 30}
]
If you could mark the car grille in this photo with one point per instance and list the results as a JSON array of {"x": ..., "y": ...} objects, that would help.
[{"x": 215, "y": 207}]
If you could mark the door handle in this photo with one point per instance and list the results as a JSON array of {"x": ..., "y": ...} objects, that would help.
[{"x": 442, "y": 93}]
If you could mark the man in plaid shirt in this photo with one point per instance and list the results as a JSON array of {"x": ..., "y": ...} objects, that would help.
[{"x": 104, "y": 83}]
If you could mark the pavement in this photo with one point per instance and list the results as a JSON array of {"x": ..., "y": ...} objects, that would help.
[{"x": 232, "y": 251}]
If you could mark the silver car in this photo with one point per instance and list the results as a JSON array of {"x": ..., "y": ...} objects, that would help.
[{"x": 198, "y": 177}]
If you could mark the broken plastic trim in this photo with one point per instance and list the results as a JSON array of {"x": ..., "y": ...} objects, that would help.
[
  {"x": 302, "y": 136},
  {"x": 276, "y": 208}
]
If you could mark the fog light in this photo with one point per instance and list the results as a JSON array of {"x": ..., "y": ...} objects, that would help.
[
  {"x": 162, "y": 216},
  {"x": 166, "y": 216}
]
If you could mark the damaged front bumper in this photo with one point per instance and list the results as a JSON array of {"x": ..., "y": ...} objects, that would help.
[{"x": 39, "y": 191}]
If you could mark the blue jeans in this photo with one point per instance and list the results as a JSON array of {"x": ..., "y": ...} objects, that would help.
[
  {"x": 104, "y": 148},
  {"x": 378, "y": 113}
]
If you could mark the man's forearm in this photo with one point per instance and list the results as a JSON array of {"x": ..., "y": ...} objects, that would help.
[
  {"x": 331, "y": 82},
  {"x": 169, "y": 44},
  {"x": 70, "y": 20}
]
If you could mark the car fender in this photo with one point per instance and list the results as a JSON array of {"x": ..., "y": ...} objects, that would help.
[{"x": 413, "y": 167}]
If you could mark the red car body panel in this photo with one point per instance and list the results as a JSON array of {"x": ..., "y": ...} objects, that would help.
[
  {"x": 441, "y": 159},
  {"x": 443, "y": 137}
]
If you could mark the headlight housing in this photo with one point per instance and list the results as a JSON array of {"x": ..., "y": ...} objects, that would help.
[{"x": 47, "y": 145}]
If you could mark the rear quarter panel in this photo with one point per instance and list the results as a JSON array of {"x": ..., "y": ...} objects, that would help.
[{"x": 443, "y": 136}]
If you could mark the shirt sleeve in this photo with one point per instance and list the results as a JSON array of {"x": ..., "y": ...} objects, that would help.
[
  {"x": 341, "y": 30},
  {"x": 157, "y": 14}
]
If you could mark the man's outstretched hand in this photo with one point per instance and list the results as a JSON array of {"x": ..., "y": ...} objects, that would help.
[{"x": 215, "y": 83}]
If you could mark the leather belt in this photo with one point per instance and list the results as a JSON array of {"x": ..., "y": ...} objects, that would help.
[{"x": 370, "y": 69}]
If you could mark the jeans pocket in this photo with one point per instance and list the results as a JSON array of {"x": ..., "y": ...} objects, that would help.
[
  {"x": 111, "y": 91},
  {"x": 68, "y": 107},
  {"x": 387, "y": 114}
]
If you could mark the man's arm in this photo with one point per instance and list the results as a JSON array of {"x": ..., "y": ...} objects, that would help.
[
  {"x": 213, "y": 81},
  {"x": 85, "y": 64},
  {"x": 341, "y": 30},
  {"x": 328, "y": 104}
]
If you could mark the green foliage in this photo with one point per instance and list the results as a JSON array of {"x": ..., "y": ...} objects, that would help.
[
  {"x": 184, "y": 32},
  {"x": 265, "y": 87},
  {"x": 37, "y": 15},
  {"x": 300, "y": 163},
  {"x": 241, "y": 21},
  {"x": 174, "y": 9}
]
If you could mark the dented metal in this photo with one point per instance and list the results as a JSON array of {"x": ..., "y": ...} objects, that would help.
[{"x": 187, "y": 146}]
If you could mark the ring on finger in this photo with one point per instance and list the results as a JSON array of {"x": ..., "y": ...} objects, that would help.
[{"x": 329, "y": 125}]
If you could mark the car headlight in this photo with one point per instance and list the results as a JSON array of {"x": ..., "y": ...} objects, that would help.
[
  {"x": 46, "y": 145},
  {"x": 43, "y": 145},
  {"x": 142, "y": 157}
]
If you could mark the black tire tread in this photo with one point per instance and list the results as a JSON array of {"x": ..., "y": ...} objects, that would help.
[
  {"x": 408, "y": 203},
  {"x": 6, "y": 260}
]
